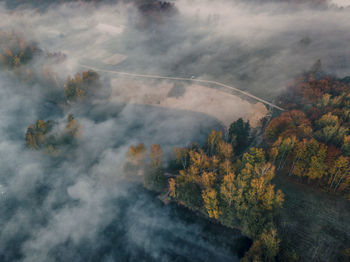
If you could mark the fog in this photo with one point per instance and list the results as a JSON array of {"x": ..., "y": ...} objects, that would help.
[{"x": 80, "y": 207}]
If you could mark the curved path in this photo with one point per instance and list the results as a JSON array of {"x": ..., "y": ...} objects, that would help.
[{"x": 187, "y": 79}]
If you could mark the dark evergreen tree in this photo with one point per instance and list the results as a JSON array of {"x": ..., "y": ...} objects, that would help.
[{"x": 239, "y": 135}]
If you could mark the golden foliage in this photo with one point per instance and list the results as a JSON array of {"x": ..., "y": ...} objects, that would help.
[
  {"x": 172, "y": 187},
  {"x": 136, "y": 154},
  {"x": 211, "y": 203},
  {"x": 81, "y": 86},
  {"x": 228, "y": 188}
]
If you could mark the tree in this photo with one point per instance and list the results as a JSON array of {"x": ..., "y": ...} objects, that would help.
[
  {"x": 340, "y": 173},
  {"x": 305, "y": 151},
  {"x": 282, "y": 148},
  {"x": 239, "y": 135},
  {"x": 208, "y": 179},
  {"x": 214, "y": 138},
  {"x": 346, "y": 145},
  {"x": 254, "y": 156},
  {"x": 330, "y": 129},
  {"x": 211, "y": 203},
  {"x": 136, "y": 154},
  {"x": 154, "y": 178},
  {"x": 156, "y": 155},
  {"x": 172, "y": 187},
  {"x": 265, "y": 249},
  {"x": 188, "y": 193},
  {"x": 224, "y": 151},
  {"x": 182, "y": 156},
  {"x": 317, "y": 168},
  {"x": 289, "y": 123},
  {"x": 228, "y": 188}
]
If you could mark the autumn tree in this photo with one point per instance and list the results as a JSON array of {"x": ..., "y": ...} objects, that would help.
[
  {"x": 156, "y": 155},
  {"x": 289, "y": 123},
  {"x": 339, "y": 174},
  {"x": 228, "y": 188},
  {"x": 212, "y": 142},
  {"x": 136, "y": 154},
  {"x": 265, "y": 248},
  {"x": 281, "y": 149},
  {"x": 181, "y": 156},
  {"x": 317, "y": 168},
  {"x": 237, "y": 192},
  {"x": 211, "y": 202},
  {"x": 312, "y": 138}
]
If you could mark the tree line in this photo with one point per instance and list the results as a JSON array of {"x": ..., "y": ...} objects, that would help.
[
  {"x": 234, "y": 190},
  {"x": 231, "y": 182},
  {"x": 311, "y": 140}
]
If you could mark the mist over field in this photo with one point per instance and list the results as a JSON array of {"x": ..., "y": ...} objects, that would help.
[{"x": 80, "y": 207}]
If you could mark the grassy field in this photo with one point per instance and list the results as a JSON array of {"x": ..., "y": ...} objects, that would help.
[{"x": 314, "y": 223}]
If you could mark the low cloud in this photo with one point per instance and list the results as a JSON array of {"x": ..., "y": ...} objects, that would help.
[{"x": 78, "y": 207}]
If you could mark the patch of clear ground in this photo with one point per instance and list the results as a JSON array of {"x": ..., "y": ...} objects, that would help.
[{"x": 197, "y": 98}]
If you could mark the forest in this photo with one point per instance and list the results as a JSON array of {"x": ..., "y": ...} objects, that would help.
[
  {"x": 232, "y": 179},
  {"x": 49, "y": 135},
  {"x": 311, "y": 140},
  {"x": 213, "y": 180},
  {"x": 229, "y": 179}
]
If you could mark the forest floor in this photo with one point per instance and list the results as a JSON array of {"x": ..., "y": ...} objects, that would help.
[{"x": 315, "y": 224}]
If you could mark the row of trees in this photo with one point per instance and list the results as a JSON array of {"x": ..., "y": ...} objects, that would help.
[
  {"x": 312, "y": 139},
  {"x": 236, "y": 191}
]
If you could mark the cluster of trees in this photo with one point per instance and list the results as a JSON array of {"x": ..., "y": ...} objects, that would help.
[
  {"x": 312, "y": 139},
  {"x": 236, "y": 191},
  {"x": 15, "y": 51},
  {"x": 82, "y": 86},
  {"x": 47, "y": 135}
]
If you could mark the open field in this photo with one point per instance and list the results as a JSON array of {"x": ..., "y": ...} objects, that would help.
[{"x": 197, "y": 98}]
